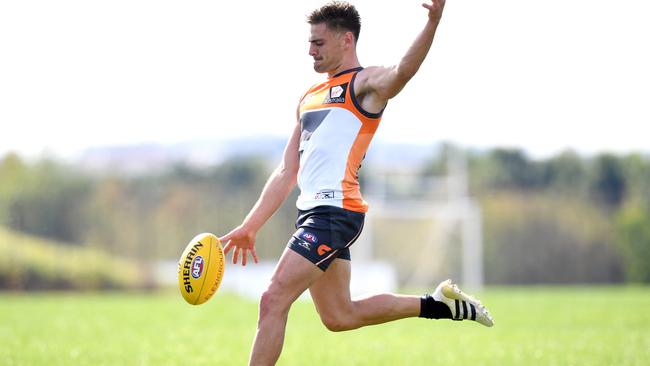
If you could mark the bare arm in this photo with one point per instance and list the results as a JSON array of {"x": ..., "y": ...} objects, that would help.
[
  {"x": 379, "y": 84},
  {"x": 276, "y": 190}
]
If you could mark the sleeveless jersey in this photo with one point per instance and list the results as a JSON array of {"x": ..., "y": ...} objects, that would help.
[{"x": 335, "y": 134}]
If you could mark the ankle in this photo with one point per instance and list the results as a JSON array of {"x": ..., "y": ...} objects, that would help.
[{"x": 432, "y": 309}]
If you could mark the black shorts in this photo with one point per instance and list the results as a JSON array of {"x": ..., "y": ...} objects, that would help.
[{"x": 326, "y": 233}]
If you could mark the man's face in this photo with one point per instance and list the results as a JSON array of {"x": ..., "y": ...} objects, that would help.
[{"x": 326, "y": 47}]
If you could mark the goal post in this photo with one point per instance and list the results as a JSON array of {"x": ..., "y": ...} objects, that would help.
[{"x": 429, "y": 229}]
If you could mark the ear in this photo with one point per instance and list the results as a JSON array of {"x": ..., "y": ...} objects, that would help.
[{"x": 348, "y": 38}]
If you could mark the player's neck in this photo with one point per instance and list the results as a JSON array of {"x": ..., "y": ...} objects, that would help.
[{"x": 348, "y": 63}]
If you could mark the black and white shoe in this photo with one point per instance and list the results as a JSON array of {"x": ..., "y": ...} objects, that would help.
[{"x": 462, "y": 306}]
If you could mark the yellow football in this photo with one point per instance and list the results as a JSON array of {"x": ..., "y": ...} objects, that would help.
[{"x": 200, "y": 268}]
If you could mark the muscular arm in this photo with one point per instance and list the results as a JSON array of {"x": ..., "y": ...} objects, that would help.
[
  {"x": 379, "y": 84},
  {"x": 275, "y": 191}
]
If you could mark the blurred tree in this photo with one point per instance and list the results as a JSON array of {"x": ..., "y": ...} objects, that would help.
[
  {"x": 437, "y": 165},
  {"x": 636, "y": 169},
  {"x": 112, "y": 222},
  {"x": 502, "y": 169},
  {"x": 608, "y": 184},
  {"x": 540, "y": 218},
  {"x": 566, "y": 174},
  {"x": 51, "y": 203},
  {"x": 13, "y": 177},
  {"x": 541, "y": 238},
  {"x": 241, "y": 180},
  {"x": 633, "y": 223},
  {"x": 240, "y": 174}
]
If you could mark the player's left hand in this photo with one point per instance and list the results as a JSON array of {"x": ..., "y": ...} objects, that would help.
[{"x": 435, "y": 10}]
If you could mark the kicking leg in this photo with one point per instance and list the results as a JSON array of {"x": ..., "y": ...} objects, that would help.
[
  {"x": 331, "y": 295},
  {"x": 292, "y": 276}
]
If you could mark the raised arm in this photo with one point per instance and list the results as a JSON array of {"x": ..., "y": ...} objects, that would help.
[
  {"x": 275, "y": 191},
  {"x": 376, "y": 85}
]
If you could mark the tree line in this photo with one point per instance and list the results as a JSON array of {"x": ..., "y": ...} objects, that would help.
[
  {"x": 563, "y": 219},
  {"x": 566, "y": 218}
]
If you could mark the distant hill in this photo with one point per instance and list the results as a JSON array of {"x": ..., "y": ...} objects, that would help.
[
  {"x": 33, "y": 263},
  {"x": 147, "y": 157}
]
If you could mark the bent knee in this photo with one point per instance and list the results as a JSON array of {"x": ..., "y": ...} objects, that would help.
[
  {"x": 272, "y": 302},
  {"x": 338, "y": 323}
]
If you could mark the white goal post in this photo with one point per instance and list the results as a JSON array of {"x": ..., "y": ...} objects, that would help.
[{"x": 443, "y": 205}]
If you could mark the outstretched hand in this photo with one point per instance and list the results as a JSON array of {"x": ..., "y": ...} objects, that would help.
[
  {"x": 243, "y": 241},
  {"x": 435, "y": 9}
]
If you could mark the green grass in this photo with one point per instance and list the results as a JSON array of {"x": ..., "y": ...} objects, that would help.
[{"x": 534, "y": 326}]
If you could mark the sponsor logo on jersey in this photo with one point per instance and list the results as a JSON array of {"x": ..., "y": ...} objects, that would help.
[
  {"x": 304, "y": 244},
  {"x": 197, "y": 266},
  {"x": 324, "y": 195},
  {"x": 336, "y": 91},
  {"x": 336, "y": 94},
  {"x": 309, "y": 237},
  {"x": 322, "y": 249}
]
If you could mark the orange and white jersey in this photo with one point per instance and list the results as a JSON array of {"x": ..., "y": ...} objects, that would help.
[{"x": 335, "y": 136}]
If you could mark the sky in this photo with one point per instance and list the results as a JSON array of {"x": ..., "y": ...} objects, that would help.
[{"x": 543, "y": 76}]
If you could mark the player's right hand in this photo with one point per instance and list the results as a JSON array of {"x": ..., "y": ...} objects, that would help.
[{"x": 243, "y": 241}]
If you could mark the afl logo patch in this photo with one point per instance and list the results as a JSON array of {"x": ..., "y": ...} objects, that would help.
[
  {"x": 197, "y": 266},
  {"x": 309, "y": 237}
]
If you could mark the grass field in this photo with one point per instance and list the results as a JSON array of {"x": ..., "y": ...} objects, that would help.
[{"x": 534, "y": 326}]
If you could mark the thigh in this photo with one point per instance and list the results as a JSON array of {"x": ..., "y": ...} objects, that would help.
[
  {"x": 292, "y": 276},
  {"x": 331, "y": 291}
]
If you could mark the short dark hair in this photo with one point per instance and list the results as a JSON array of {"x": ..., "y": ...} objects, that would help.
[{"x": 337, "y": 15}]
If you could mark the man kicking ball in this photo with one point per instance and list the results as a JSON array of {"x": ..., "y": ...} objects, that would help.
[{"x": 336, "y": 120}]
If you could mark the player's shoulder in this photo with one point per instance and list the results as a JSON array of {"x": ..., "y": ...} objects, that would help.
[
  {"x": 372, "y": 70},
  {"x": 369, "y": 71},
  {"x": 369, "y": 78}
]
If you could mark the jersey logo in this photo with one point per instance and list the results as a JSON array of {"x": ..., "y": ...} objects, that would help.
[
  {"x": 322, "y": 249},
  {"x": 324, "y": 195},
  {"x": 336, "y": 91},
  {"x": 336, "y": 94},
  {"x": 309, "y": 237},
  {"x": 304, "y": 244},
  {"x": 310, "y": 121}
]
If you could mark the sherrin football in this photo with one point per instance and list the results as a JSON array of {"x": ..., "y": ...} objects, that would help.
[{"x": 200, "y": 268}]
